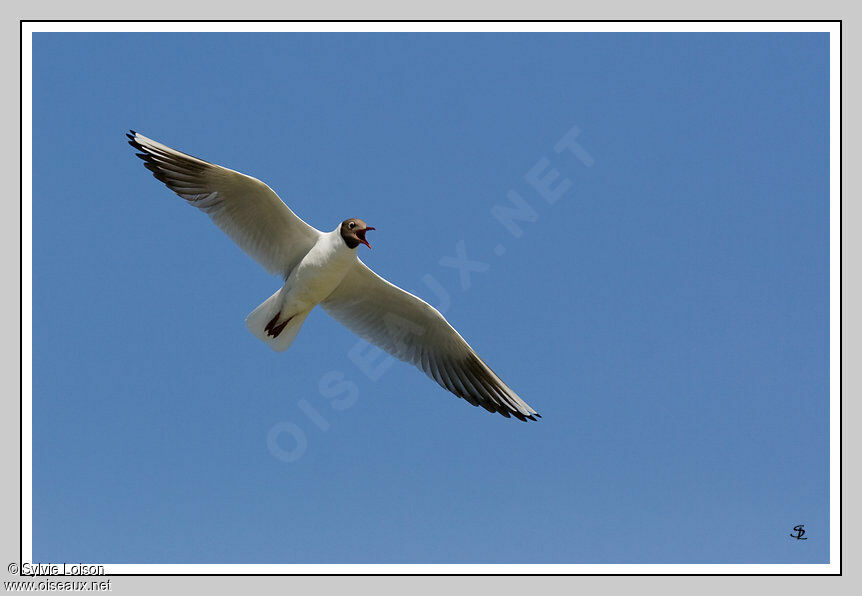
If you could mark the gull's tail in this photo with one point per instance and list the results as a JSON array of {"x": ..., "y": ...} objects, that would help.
[{"x": 275, "y": 327}]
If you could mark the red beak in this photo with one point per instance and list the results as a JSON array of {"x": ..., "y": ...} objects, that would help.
[{"x": 361, "y": 235}]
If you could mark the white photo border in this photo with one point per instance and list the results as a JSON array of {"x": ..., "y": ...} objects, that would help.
[{"x": 832, "y": 27}]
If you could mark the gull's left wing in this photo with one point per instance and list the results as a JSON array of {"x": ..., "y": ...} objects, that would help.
[{"x": 414, "y": 331}]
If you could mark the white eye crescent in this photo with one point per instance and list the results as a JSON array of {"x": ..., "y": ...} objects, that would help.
[{"x": 351, "y": 225}]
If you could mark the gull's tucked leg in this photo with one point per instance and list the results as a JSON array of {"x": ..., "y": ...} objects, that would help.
[{"x": 274, "y": 330}]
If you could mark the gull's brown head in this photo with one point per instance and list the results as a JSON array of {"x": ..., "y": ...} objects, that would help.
[{"x": 353, "y": 232}]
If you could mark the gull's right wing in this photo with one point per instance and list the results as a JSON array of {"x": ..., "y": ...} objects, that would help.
[{"x": 245, "y": 208}]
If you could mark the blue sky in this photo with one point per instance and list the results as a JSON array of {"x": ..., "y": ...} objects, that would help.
[{"x": 667, "y": 315}]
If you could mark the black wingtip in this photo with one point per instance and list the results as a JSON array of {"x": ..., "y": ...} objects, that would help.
[{"x": 524, "y": 418}]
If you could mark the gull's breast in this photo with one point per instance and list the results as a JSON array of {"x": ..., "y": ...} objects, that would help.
[{"x": 319, "y": 272}]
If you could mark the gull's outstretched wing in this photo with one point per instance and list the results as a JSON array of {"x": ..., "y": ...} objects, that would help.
[
  {"x": 414, "y": 331},
  {"x": 245, "y": 208}
]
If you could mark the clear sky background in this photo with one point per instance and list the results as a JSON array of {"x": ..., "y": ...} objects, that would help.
[{"x": 667, "y": 316}]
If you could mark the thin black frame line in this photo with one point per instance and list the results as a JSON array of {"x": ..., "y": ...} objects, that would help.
[
  {"x": 21, "y": 293},
  {"x": 840, "y": 297},
  {"x": 840, "y": 291},
  {"x": 431, "y": 21}
]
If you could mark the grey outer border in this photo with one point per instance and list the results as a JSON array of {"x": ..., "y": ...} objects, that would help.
[{"x": 378, "y": 9}]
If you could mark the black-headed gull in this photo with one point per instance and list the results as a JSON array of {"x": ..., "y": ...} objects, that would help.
[{"x": 324, "y": 268}]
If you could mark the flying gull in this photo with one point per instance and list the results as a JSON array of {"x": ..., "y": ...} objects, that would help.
[{"x": 324, "y": 268}]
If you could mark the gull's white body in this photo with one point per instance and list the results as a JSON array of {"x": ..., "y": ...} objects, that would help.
[
  {"x": 320, "y": 268},
  {"x": 316, "y": 276}
]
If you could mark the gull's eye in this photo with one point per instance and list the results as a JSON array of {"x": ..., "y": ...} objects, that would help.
[{"x": 351, "y": 225}]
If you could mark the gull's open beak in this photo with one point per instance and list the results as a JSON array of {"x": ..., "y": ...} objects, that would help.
[{"x": 361, "y": 235}]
